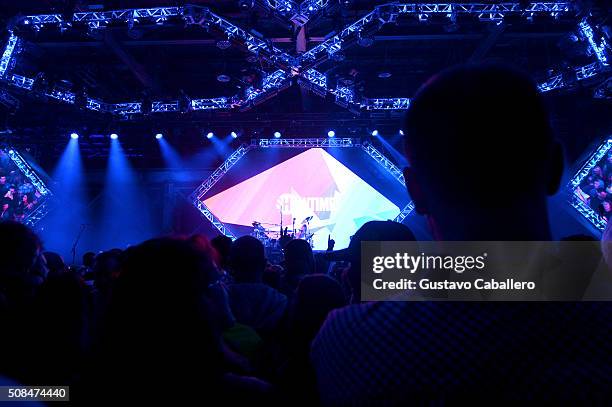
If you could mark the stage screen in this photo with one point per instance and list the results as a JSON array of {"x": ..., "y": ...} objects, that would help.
[{"x": 311, "y": 184}]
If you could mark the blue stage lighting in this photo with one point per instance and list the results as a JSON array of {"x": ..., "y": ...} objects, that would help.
[
  {"x": 401, "y": 132},
  {"x": 114, "y": 136},
  {"x": 277, "y": 134},
  {"x": 331, "y": 133},
  {"x": 234, "y": 134},
  {"x": 159, "y": 136},
  {"x": 74, "y": 136},
  {"x": 375, "y": 132},
  {"x": 210, "y": 135}
]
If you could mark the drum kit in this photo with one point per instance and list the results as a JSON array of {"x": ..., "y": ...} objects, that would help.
[{"x": 273, "y": 236}]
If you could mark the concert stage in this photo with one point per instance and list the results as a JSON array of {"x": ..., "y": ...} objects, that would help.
[{"x": 313, "y": 189}]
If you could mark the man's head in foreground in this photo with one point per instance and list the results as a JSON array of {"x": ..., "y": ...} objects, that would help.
[{"x": 482, "y": 155}]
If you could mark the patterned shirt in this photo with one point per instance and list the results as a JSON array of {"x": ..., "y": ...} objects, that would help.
[{"x": 391, "y": 353}]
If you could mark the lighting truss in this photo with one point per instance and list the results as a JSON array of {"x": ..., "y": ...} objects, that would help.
[
  {"x": 309, "y": 9},
  {"x": 221, "y": 171},
  {"x": 554, "y": 82},
  {"x": 96, "y": 105},
  {"x": 128, "y": 108},
  {"x": 25, "y": 168},
  {"x": 43, "y": 207},
  {"x": 61, "y": 95},
  {"x": 305, "y": 142},
  {"x": 386, "y": 103},
  {"x": 204, "y": 17},
  {"x": 220, "y": 226},
  {"x": 575, "y": 201},
  {"x": 299, "y": 14},
  {"x": 38, "y": 214},
  {"x": 158, "y": 107},
  {"x": 196, "y": 196},
  {"x": 98, "y": 19},
  {"x": 395, "y": 173},
  {"x": 210, "y": 104},
  {"x": 7, "y": 55},
  {"x": 289, "y": 66},
  {"x": 580, "y": 73},
  {"x": 388, "y": 13},
  {"x": 587, "y": 71},
  {"x": 344, "y": 95},
  {"x": 21, "y": 82},
  {"x": 298, "y": 143},
  {"x": 274, "y": 81},
  {"x": 286, "y": 8},
  {"x": 599, "y": 49},
  {"x": 315, "y": 77}
]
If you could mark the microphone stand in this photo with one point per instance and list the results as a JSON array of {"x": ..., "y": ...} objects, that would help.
[{"x": 76, "y": 242}]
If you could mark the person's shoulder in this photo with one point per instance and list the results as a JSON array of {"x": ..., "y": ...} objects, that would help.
[{"x": 355, "y": 321}]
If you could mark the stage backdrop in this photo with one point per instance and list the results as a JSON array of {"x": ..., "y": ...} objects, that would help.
[{"x": 316, "y": 184}]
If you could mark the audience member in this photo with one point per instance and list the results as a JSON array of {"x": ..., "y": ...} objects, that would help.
[
  {"x": 166, "y": 298},
  {"x": 252, "y": 302},
  {"x": 449, "y": 352},
  {"x": 315, "y": 297},
  {"x": 299, "y": 262}
]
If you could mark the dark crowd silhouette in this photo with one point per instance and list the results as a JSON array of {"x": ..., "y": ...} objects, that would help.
[{"x": 178, "y": 318}]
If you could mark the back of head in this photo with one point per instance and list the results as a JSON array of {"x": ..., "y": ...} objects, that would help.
[
  {"x": 316, "y": 295},
  {"x": 222, "y": 245},
  {"x": 377, "y": 231},
  {"x": 157, "y": 300},
  {"x": 248, "y": 259},
  {"x": 19, "y": 248},
  {"x": 158, "y": 319},
  {"x": 479, "y": 136},
  {"x": 88, "y": 259},
  {"x": 299, "y": 259},
  {"x": 373, "y": 231},
  {"x": 163, "y": 275}
]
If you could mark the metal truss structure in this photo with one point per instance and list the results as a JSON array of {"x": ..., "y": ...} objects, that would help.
[
  {"x": 289, "y": 66},
  {"x": 388, "y": 13},
  {"x": 43, "y": 207},
  {"x": 305, "y": 143},
  {"x": 394, "y": 171},
  {"x": 198, "y": 194},
  {"x": 575, "y": 199},
  {"x": 7, "y": 55},
  {"x": 299, "y": 14},
  {"x": 597, "y": 47}
]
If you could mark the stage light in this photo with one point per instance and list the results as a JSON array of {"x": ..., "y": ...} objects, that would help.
[
  {"x": 234, "y": 134},
  {"x": 246, "y": 4},
  {"x": 74, "y": 136},
  {"x": 159, "y": 136},
  {"x": 401, "y": 132},
  {"x": 277, "y": 134},
  {"x": 210, "y": 135},
  {"x": 114, "y": 136},
  {"x": 375, "y": 132},
  {"x": 331, "y": 133}
]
